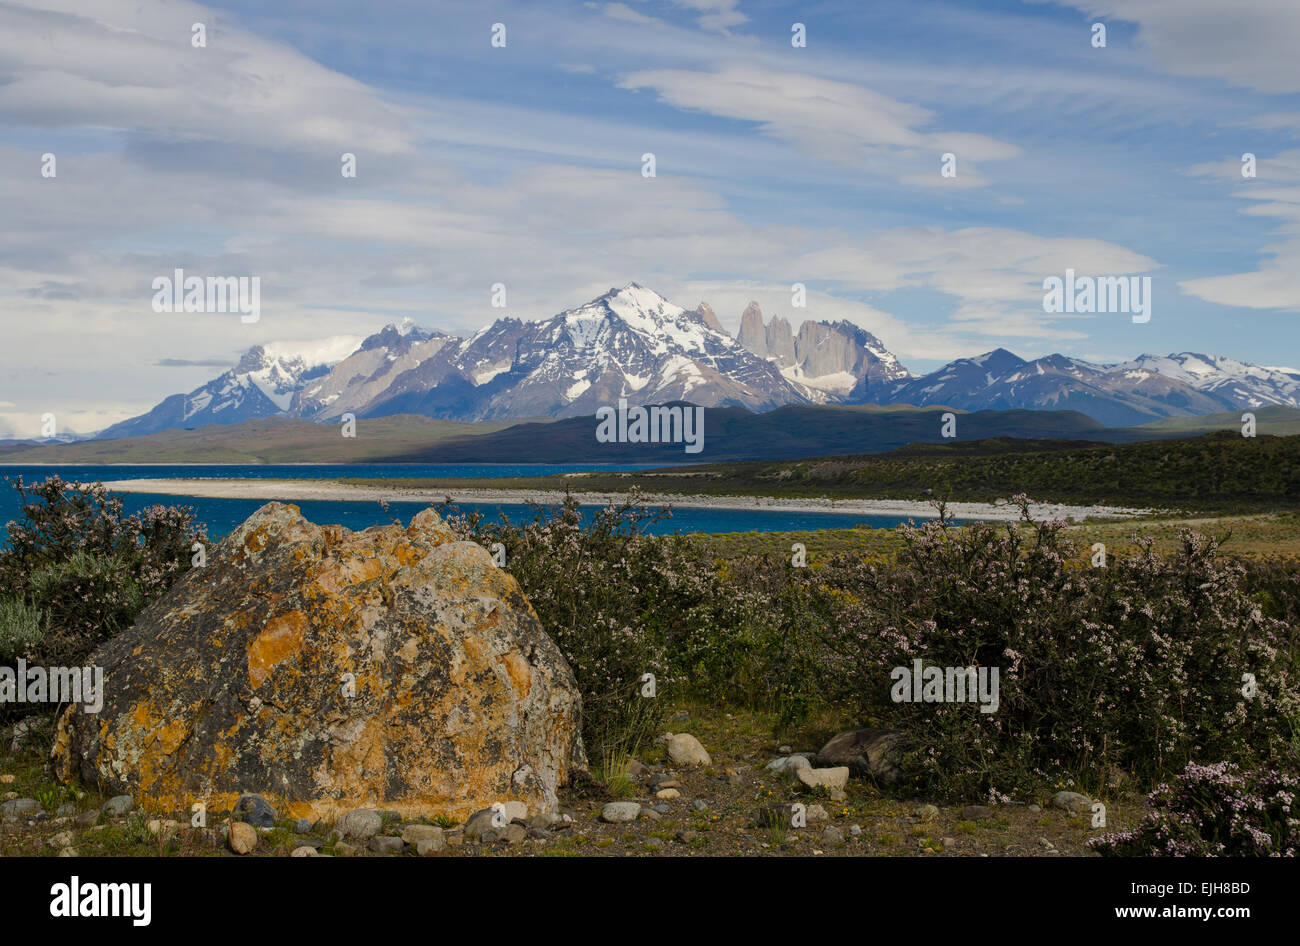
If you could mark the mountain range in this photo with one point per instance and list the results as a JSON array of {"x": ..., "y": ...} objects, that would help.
[{"x": 632, "y": 343}]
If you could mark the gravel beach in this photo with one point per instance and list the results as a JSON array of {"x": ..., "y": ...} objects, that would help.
[{"x": 293, "y": 490}]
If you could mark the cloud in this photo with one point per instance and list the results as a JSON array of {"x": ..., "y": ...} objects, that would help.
[
  {"x": 1275, "y": 191},
  {"x": 716, "y": 15},
  {"x": 194, "y": 363},
  {"x": 1248, "y": 44},
  {"x": 835, "y": 121}
]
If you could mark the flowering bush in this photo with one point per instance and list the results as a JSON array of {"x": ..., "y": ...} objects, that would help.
[
  {"x": 1140, "y": 665},
  {"x": 1216, "y": 810},
  {"x": 87, "y": 568}
]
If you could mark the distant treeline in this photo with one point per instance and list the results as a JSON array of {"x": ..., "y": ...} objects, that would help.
[{"x": 1219, "y": 472}]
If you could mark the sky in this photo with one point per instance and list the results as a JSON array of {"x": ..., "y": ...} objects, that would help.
[{"x": 521, "y": 164}]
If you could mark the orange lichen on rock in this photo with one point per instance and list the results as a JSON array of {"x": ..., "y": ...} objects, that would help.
[
  {"x": 282, "y": 638},
  {"x": 332, "y": 670}
]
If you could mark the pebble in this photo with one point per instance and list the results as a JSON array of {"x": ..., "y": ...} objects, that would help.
[
  {"x": 242, "y": 837},
  {"x": 685, "y": 749},
  {"x": 302, "y": 826},
  {"x": 118, "y": 805},
  {"x": 617, "y": 812},
  {"x": 667, "y": 794},
  {"x": 305, "y": 851}
]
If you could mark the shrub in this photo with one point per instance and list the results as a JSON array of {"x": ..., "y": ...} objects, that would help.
[
  {"x": 1216, "y": 810},
  {"x": 1138, "y": 665},
  {"x": 21, "y": 627},
  {"x": 86, "y": 566}
]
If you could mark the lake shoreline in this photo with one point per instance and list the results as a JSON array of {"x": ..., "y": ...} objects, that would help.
[{"x": 328, "y": 490}]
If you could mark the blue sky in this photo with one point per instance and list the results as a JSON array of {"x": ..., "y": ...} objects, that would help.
[{"x": 521, "y": 165}]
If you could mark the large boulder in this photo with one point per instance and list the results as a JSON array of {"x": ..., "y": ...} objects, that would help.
[{"x": 330, "y": 670}]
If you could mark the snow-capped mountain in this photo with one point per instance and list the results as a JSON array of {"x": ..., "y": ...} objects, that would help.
[
  {"x": 1243, "y": 384},
  {"x": 1135, "y": 392},
  {"x": 632, "y": 343},
  {"x": 262, "y": 384},
  {"x": 629, "y": 343}
]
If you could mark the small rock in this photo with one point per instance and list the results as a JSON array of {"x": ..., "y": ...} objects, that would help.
[
  {"x": 242, "y": 837},
  {"x": 1072, "y": 802},
  {"x": 832, "y": 836},
  {"x": 855, "y": 830},
  {"x": 255, "y": 810},
  {"x": 685, "y": 749},
  {"x": 667, "y": 794},
  {"x": 734, "y": 777},
  {"x": 816, "y": 813},
  {"x": 620, "y": 811},
  {"x": 637, "y": 769},
  {"x": 824, "y": 778},
  {"x": 20, "y": 808},
  {"x": 360, "y": 824},
  {"x": 414, "y": 833},
  {"x": 62, "y": 839},
  {"x": 513, "y": 833},
  {"x": 383, "y": 844},
  {"x": 1035, "y": 808},
  {"x": 482, "y": 826},
  {"x": 305, "y": 851},
  {"x": 784, "y": 750},
  {"x": 344, "y": 849},
  {"x": 687, "y": 836},
  {"x": 516, "y": 811},
  {"x": 1044, "y": 843},
  {"x": 663, "y": 808},
  {"x": 86, "y": 819},
  {"x": 7, "y": 779},
  {"x": 118, "y": 805},
  {"x": 700, "y": 804},
  {"x": 302, "y": 826},
  {"x": 868, "y": 752},
  {"x": 948, "y": 843},
  {"x": 427, "y": 847},
  {"x": 68, "y": 810}
]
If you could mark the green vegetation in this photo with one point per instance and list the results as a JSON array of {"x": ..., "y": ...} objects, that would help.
[
  {"x": 1214, "y": 472},
  {"x": 267, "y": 440}
]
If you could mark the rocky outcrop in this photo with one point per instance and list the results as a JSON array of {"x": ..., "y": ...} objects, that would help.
[{"x": 329, "y": 670}]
